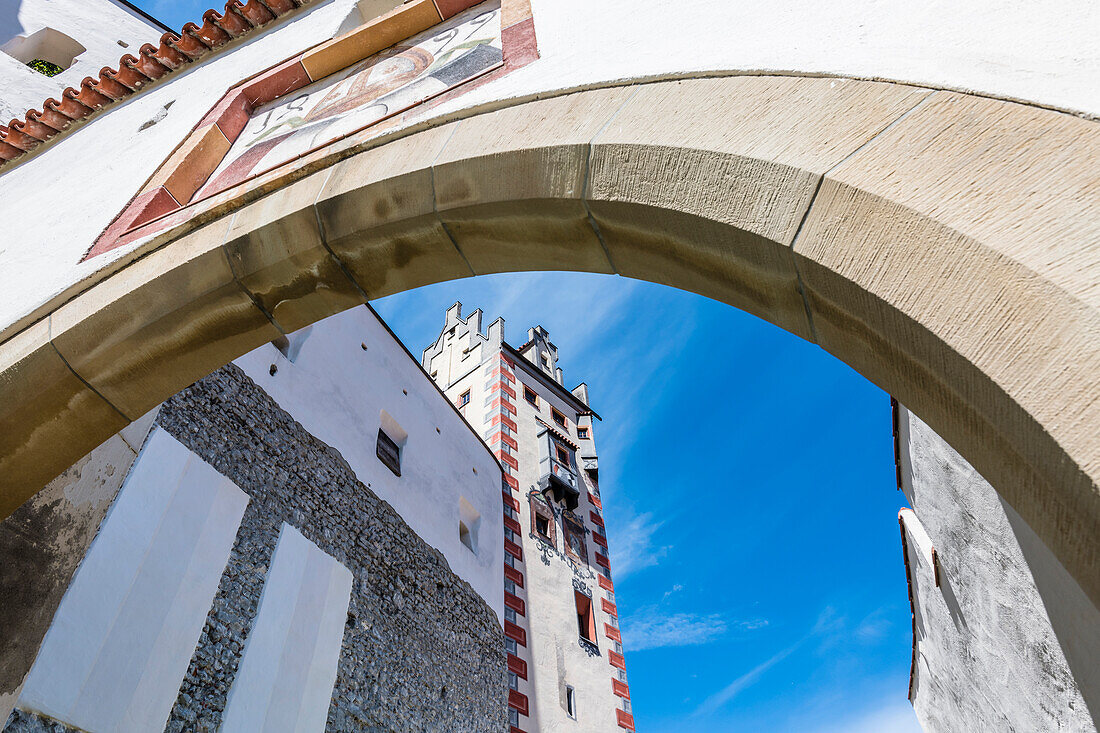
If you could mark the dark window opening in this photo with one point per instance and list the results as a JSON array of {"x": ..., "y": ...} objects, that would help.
[
  {"x": 542, "y": 520},
  {"x": 571, "y": 701},
  {"x": 582, "y": 433},
  {"x": 389, "y": 452},
  {"x": 563, "y": 455},
  {"x": 464, "y": 399},
  {"x": 530, "y": 396},
  {"x": 558, "y": 417},
  {"x": 586, "y": 622}
]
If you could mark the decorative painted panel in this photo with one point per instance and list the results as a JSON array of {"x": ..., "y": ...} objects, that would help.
[{"x": 378, "y": 87}]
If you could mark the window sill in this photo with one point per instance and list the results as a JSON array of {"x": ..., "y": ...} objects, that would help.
[{"x": 589, "y": 647}]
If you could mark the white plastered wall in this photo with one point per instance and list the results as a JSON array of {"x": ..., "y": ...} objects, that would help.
[
  {"x": 97, "y": 25},
  {"x": 1043, "y": 53},
  {"x": 122, "y": 638},
  {"x": 37, "y": 575},
  {"x": 339, "y": 391},
  {"x": 285, "y": 680},
  {"x": 1007, "y": 640}
]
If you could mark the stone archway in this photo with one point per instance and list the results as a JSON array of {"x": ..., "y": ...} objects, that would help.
[{"x": 943, "y": 245}]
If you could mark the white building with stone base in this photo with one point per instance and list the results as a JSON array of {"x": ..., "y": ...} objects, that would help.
[{"x": 307, "y": 539}]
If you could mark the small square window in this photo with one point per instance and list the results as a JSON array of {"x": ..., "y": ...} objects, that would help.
[
  {"x": 513, "y": 681},
  {"x": 558, "y": 417},
  {"x": 510, "y": 615},
  {"x": 464, "y": 399},
  {"x": 542, "y": 526},
  {"x": 509, "y": 586},
  {"x": 388, "y": 452},
  {"x": 513, "y": 716},
  {"x": 511, "y": 647},
  {"x": 582, "y": 433},
  {"x": 563, "y": 455},
  {"x": 530, "y": 396}
]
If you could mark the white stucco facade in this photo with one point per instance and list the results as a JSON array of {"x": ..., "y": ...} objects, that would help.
[
  {"x": 566, "y": 679},
  {"x": 342, "y": 393},
  {"x": 104, "y": 29},
  {"x": 128, "y": 624},
  {"x": 1039, "y": 53},
  {"x": 1005, "y": 638},
  {"x": 59, "y": 198},
  {"x": 289, "y": 665}
]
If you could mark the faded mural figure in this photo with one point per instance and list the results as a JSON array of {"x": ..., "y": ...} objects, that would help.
[{"x": 383, "y": 85}]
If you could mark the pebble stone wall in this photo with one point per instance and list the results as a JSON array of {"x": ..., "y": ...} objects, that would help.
[{"x": 422, "y": 651}]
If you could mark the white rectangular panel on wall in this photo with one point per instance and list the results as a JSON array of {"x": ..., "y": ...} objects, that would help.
[
  {"x": 122, "y": 638},
  {"x": 285, "y": 680}
]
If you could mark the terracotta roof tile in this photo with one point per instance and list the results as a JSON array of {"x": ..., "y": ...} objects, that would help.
[{"x": 135, "y": 72}]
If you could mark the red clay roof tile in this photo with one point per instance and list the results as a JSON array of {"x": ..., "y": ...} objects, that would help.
[{"x": 135, "y": 72}]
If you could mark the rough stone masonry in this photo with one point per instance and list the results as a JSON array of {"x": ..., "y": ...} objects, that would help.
[{"x": 422, "y": 651}]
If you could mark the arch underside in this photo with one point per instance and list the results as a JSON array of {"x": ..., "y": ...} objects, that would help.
[{"x": 943, "y": 245}]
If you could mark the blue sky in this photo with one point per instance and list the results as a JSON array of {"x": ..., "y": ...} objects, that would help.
[
  {"x": 749, "y": 492},
  {"x": 174, "y": 13},
  {"x": 751, "y": 505}
]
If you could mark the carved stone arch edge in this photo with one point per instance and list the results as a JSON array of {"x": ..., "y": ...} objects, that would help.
[{"x": 1006, "y": 369}]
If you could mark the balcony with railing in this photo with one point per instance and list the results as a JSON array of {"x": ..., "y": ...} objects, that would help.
[{"x": 558, "y": 480}]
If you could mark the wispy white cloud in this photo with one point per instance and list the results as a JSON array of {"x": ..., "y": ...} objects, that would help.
[
  {"x": 827, "y": 624},
  {"x": 872, "y": 628},
  {"x": 655, "y": 630},
  {"x": 730, "y": 691},
  {"x": 753, "y": 624},
  {"x": 672, "y": 591},
  {"x": 655, "y": 627},
  {"x": 635, "y": 542}
]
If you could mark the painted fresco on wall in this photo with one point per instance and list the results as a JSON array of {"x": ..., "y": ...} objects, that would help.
[{"x": 390, "y": 82}]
